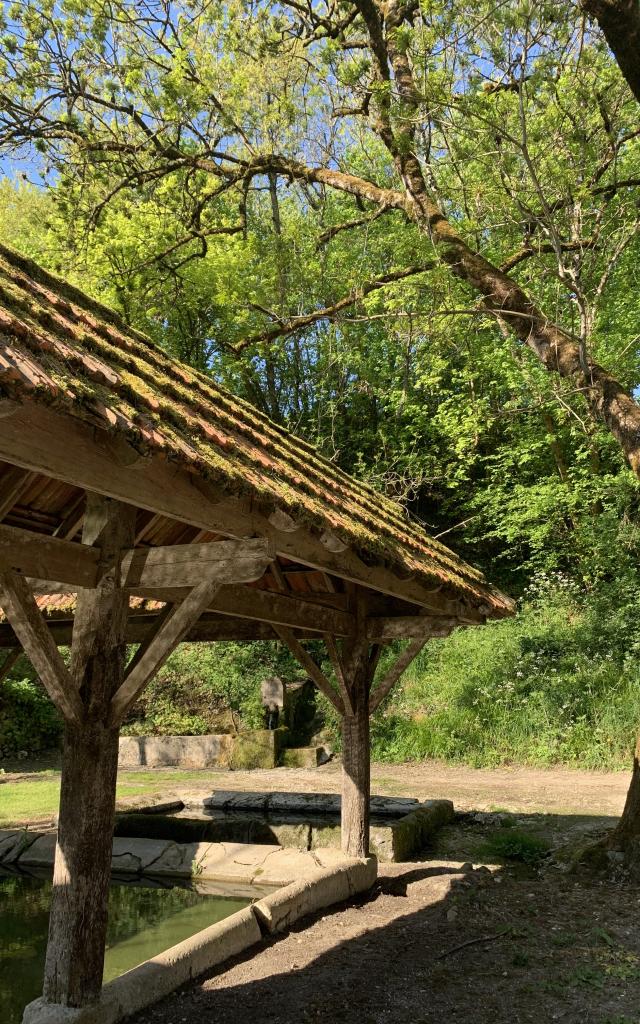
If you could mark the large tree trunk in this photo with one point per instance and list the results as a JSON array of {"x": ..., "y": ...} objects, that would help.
[
  {"x": 626, "y": 835},
  {"x": 620, "y": 23}
]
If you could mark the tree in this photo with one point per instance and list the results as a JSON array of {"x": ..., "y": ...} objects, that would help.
[{"x": 503, "y": 137}]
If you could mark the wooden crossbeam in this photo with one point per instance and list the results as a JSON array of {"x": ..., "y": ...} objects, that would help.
[
  {"x": 403, "y": 661},
  {"x": 316, "y": 613},
  {"x": 210, "y": 628},
  {"x": 309, "y": 665},
  {"x": 174, "y": 565},
  {"x": 186, "y": 565},
  {"x": 47, "y": 558},
  {"x": 406, "y": 627},
  {"x": 172, "y": 627},
  {"x": 20, "y": 607}
]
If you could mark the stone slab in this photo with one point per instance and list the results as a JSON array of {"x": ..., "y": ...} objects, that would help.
[
  {"x": 175, "y": 751},
  {"x": 303, "y": 803},
  {"x": 281, "y": 909},
  {"x": 333, "y": 878}
]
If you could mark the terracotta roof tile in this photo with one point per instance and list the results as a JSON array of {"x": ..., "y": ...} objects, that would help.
[{"x": 58, "y": 346}]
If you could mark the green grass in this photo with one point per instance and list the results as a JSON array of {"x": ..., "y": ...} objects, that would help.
[
  {"x": 557, "y": 684},
  {"x": 38, "y": 799}
]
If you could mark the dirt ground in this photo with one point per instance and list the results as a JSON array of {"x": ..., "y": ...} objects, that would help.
[
  {"x": 541, "y": 790},
  {"x": 438, "y": 941},
  {"x": 464, "y": 934}
]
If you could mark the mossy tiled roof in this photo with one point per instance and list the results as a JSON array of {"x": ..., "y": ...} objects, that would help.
[{"x": 61, "y": 348}]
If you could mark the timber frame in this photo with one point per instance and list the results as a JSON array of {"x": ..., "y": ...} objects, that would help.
[{"x": 117, "y": 528}]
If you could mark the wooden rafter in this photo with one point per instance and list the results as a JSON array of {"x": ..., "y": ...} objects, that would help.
[
  {"x": 72, "y": 520},
  {"x": 24, "y": 615},
  {"x": 13, "y": 485},
  {"x": 45, "y": 441},
  {"x": 308, "y": 664}
]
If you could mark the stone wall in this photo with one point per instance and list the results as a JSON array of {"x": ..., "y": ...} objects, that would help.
[{"x": 257, "y": 749}]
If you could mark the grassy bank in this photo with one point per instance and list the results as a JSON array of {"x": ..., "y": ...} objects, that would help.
[
  {"x": 560, "y": 683},
  {"x": 38, "y": 799}
]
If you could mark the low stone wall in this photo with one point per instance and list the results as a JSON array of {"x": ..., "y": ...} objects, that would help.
[{"x": 259, "y": 748}]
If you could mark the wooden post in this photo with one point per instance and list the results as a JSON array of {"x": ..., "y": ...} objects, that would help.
[
  {"x": 356, "y": 758},
  {"x": 78, "y": 918},
  {"x": 356, "y": 780}
]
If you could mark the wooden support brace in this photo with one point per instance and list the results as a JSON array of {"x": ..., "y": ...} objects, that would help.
[
  {"x": 391, "y": 678},
  {"x": 24, "y": 615},
  {"x": 172, "y": 627},
  {"x": 309, "y": 665},
  {"x": 338, "y": 668}
]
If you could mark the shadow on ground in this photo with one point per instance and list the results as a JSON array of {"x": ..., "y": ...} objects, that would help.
[{"x": 439, "y": 941}]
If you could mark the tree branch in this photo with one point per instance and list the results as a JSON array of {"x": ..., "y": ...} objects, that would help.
[{"x": 297, "y": 323}]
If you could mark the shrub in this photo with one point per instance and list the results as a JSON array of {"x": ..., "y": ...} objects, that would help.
[
  {"x": 28, "y": 719},
  {"x": 560, "y": 682},
  {"x": 513, "y": 845},
  {"x": 200, "y": 681}
]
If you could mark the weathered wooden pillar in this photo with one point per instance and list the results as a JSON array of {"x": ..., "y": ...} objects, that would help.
[
  {"x": 356, "y": 776},
  {"x": 356, "y": 757},
  {"x": 78, "y": 917}
]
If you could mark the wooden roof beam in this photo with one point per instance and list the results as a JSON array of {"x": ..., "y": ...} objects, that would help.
[
  {"x": 13, "y": 485},
  {"x": 42, "y": 440},
  {"x": 177, "y": 565},
  {"x": 405, "y": 627}
]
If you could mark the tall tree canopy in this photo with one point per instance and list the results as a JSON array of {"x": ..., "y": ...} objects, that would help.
[{"x": 408, "y": 228}]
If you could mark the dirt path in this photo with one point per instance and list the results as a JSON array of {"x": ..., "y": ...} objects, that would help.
[
  {"x": 541, "y": 790},
  {"x": 549, "y": 950},
  {"x": 534, "y": 790}
]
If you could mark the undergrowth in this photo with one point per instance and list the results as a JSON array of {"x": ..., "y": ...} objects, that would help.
[{"x": 559, "y": 683}]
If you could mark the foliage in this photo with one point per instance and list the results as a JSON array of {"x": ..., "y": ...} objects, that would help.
[
  {"x": 28, "y": 719},
  {"x": 559, "y": 683},
  {"x": 201, "y": 681},
  {"x": 514, "y": 845},
  {"x": 168, "y": 184}
]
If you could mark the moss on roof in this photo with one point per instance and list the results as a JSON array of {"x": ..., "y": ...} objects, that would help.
[{"x": 62, "y": 348}]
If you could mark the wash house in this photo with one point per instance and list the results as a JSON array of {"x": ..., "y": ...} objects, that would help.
[{"x": 125, "y": 474}]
